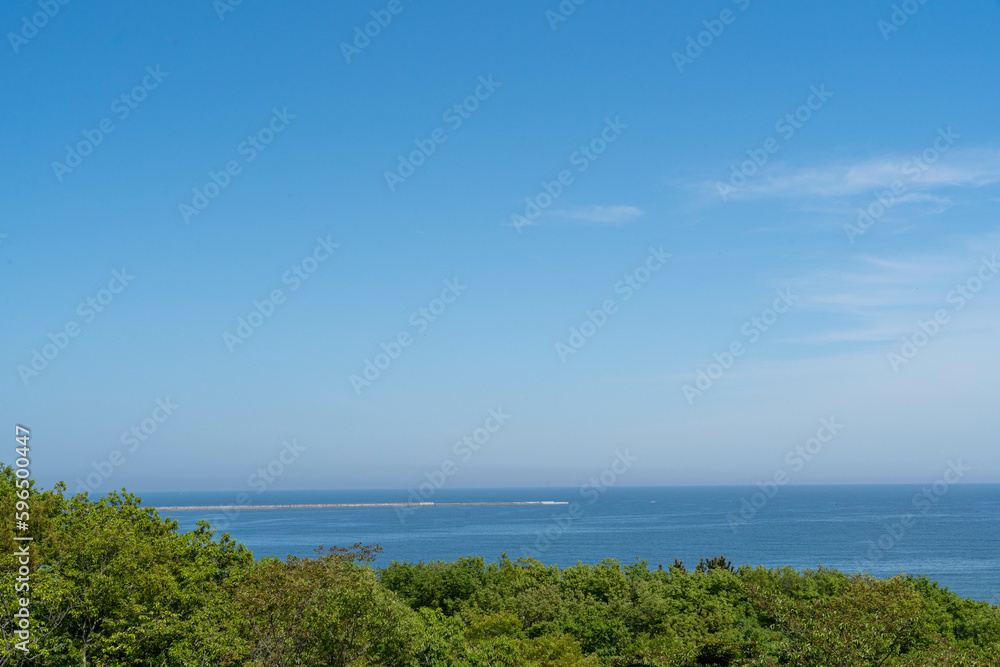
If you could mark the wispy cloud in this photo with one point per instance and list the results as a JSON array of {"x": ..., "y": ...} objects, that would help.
[
  {"x": 605, "y": 215},
  {"x": 878, "y": 299},
  {"x": 970, "y": 168}
]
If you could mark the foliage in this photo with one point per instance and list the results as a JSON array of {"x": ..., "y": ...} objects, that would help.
[{"x": 115, "y": 585}]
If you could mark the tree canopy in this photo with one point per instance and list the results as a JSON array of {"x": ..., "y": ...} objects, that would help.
[{"x": 113, "y": 584}]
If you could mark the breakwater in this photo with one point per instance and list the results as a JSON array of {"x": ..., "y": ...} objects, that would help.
[{"x": 323, "y": 506}]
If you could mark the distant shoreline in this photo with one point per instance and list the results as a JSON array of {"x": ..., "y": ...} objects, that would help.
[{"x": 200, "y": 508}]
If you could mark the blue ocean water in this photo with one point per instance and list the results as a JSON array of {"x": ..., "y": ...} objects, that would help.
[{"x": 951, "y": 534}]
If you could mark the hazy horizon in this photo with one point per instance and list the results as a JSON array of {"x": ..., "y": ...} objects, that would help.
[{"x": 141, "y": 492}]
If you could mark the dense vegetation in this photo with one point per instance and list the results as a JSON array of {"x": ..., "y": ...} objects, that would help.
[{"x": 113, "y": 584}]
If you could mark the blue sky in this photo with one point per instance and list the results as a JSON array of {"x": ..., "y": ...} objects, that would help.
[{"x": 826, "y": 107}]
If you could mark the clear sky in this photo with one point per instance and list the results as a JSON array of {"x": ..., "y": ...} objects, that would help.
[{"x": 690, "y": 170}]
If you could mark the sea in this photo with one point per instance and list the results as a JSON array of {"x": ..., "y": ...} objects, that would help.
[{"x": 949, "y": 533}]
